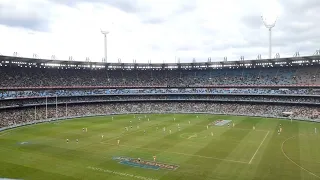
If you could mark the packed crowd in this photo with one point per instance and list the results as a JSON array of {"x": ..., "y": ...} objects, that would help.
[
  {"x": 232, "y": 98},
  {"x": 217, "y": 91},
  {"x": 40, "y": 77},
  {"x": 23, "y": 115}
]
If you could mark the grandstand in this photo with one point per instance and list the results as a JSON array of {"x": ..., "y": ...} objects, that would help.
[{"x": 38, "y": 90}]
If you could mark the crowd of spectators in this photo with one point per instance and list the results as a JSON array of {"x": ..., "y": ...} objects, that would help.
[
  {"x": 232, "y": 98},
  {"x": 39, "y": 77},
  {"x": 23, "y": 115},
  {"x": 81, "y": 101},
  {"x": 92, "y": 92}
]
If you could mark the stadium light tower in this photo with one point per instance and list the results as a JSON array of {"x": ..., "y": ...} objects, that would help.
[
  {"x": 269, "y": 22},
  {"x": 105, "y": 33}
]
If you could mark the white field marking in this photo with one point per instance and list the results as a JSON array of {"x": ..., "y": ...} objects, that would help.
[
  {"x": 212, "y": 137},
  {"x": 124, "y": 134},
  {"x": 292, "y": 160},
  {"x": 5, "y": 133},
  {"x": 183, "y": 136},
  {"x": 193, "y": 155},
  {"x": 192, "y": 136},
  {"x": 131, "y": 132},
  {"x": 258, "y": 147},
  {"x": 222, "y": 127}
]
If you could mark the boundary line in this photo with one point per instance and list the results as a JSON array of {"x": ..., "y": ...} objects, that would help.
[
  {"x": 185, "y": 154},
  {"x": 292, "y": 160},
  {"x": 258, "y": 147},
  {"x": 5, "y": 133}
]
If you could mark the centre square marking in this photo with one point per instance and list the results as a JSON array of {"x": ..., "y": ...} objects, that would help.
[
  {"x": 137, "y": 162},
  {"x": 192, "y": 136}
]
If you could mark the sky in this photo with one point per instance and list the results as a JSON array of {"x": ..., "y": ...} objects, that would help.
[{"x": 158, "y": 30}]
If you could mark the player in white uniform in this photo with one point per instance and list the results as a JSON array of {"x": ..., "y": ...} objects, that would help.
[
  {"x": 170, "y": 131},
  {"x": 138, "y": 127},
  {"x": 148, "y": 119},
  {"x": 207, "y": 127},
  {"x": 112, "y": 118},
  {"x": 67, "y": 140},
  {"x": 211, "y": 133},
  {"x": 118, "y": 142},
  {"x": 253, "y": 127},
  {"x": 315, "y": 130},
  {"x": 189, "y": 122},
  {"x": 174, "y": 119},
  {"x": 233, "y": 124}
]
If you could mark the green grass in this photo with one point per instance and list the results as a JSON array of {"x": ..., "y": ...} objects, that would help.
[{"x": 231, "y": 153}]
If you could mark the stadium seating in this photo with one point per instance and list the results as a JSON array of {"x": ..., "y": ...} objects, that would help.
[
  {"x": 40, "y": 77},
  {"x": 250, "y": 91}
]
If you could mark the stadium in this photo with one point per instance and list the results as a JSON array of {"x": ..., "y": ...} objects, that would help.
[
  {"x": 194, "y": 119},
  {"x": 227, "y": 120}
]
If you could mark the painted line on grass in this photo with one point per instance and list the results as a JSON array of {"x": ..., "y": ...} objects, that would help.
[
  {"x": 5, "y": 133},
  {"x": 185, "y": 154},
  {"x": 125, "y": 134},
  {"x": 292, "y": 160},
  {"x": 132, "y": 132},
  {"x": 224, "y": 127},
  {"x": 258, "y": 147}
]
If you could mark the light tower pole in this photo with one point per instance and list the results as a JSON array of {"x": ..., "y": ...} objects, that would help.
[
  {"x": 269, "y": 24},
  {"x": 105, "y": 33}
]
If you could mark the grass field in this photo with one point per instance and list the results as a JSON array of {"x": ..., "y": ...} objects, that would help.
[{"x": 220, "y": 152}]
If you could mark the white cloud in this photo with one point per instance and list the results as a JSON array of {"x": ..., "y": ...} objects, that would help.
[{"x": 159, "y": 30}]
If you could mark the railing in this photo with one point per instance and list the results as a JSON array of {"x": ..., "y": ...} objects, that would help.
[
  {"x": 162, "y": 100},
  {"x": 164, "y": 86},
  {"x": 159, "y": 94}
]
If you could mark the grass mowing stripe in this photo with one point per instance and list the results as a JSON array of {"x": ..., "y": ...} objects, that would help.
[
  {"x": 293, "y": 161},
  {"x": 31, "y": 172},
  {"x": 272, "y": 162},
  {"x": 220, "y": 149},
  {"x": 258, "y": 147},
  {"x": 46, "y": 155},
  {"x": 165, "y": 120}
]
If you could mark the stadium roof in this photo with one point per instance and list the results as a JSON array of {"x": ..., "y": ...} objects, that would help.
[{"x": 47, "y": 62}]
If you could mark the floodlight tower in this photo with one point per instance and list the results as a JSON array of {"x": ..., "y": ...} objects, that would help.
[
  {"x": 105, "y": 33},
  {"x": 269, "y": 23}
]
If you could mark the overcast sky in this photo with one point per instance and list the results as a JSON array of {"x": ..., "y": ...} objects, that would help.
[{"x": 157, "y": 30}]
